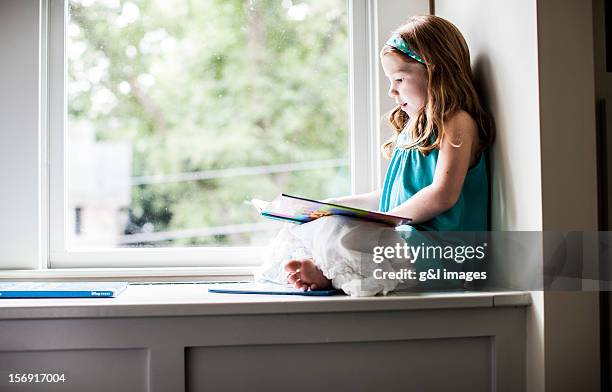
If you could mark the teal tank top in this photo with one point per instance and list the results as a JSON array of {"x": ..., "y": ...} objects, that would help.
[{"x": 410, "y": 171}]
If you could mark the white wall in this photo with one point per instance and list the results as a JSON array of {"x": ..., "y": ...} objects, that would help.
[
  {"x": 535, "y": 61},
  {"x": 569, "y": 182},
  {"x": 20, "y": 206},
  {"x": 567, "y": 114},
  {"x": 503, "y": 45}
]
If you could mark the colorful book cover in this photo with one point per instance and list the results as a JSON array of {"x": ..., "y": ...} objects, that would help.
[
  {"x": 61, "y": 289},
  {"x": 301, "y": 210}
]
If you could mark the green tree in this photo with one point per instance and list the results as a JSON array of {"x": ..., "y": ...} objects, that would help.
[{"x": 199, "y": 86}]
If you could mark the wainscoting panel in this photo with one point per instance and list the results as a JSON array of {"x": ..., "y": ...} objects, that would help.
[{"x": 475, "y": 349}]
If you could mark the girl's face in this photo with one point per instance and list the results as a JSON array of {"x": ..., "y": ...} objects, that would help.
[{"x": 408, "y": 82}]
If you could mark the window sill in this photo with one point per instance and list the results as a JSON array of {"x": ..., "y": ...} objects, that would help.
[
  {"x": 177, "y": 300},
  {"x": 140, "y": 274}
]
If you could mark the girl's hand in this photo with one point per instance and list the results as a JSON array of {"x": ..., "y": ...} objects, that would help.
[
  {"x": 318, "y": 214},
  {"x": 364, "y": 201}
]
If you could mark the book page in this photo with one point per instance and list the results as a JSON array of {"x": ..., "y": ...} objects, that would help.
[{"x": 260, "y": 205}]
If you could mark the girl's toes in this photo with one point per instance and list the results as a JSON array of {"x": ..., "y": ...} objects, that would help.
[
  {"x": 299, "y": 284},
  {"x": 293, "y": 265},
  {"x": 293, "y": 277}
]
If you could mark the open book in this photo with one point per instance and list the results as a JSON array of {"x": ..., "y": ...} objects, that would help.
[{"x": 300, "y": 210}]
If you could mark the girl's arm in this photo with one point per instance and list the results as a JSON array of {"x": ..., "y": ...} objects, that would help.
[
  {"x": 454, "y": 157},
  {"x": 365, "y": 201}
]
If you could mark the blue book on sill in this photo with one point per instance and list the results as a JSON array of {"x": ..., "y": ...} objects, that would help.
[
  {"x": 61, "y": 289},
  {"x": 267, "y": 288}
]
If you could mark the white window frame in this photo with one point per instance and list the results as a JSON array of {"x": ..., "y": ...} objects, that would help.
[
  {"x": 44, "y": 212},
  {"x": 60, "y": 256}
]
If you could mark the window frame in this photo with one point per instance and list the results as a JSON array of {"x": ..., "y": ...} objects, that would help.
[{"x": 60, "y": 257}]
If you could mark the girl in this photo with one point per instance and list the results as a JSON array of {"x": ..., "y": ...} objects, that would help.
[{"x": 437, "y": 175}]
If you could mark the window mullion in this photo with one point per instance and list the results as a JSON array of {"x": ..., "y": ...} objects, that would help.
[
  {"x": 363, "y": 161},
  {"x": 57, "y": 113}
]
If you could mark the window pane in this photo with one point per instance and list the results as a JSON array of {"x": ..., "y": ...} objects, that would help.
[{"x": 180, "y": 111}]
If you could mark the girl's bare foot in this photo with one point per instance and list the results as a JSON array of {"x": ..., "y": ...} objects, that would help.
[{"x": 305, "y": 275}]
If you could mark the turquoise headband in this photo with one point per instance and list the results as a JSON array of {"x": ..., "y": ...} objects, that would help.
[{"x": 400, "y": 44}]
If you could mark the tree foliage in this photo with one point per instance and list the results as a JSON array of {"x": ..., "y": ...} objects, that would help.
[{"x": 198, "y": 86}]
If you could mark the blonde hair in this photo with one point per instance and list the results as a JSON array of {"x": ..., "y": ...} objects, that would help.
[{"x": 450, "y": 84}]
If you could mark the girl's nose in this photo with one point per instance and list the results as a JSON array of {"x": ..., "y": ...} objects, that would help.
[{"x": 392, "y": 92}]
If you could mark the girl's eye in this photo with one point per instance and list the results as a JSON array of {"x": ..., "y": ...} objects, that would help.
[{"x": 398, "y": 80}]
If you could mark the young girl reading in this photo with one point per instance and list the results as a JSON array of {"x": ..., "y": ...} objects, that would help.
[{"x": 437, "y": 175}]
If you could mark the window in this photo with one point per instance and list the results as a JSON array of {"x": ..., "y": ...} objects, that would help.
[
  {"x": 39, "y": 218},
  {"x": 179, "y": 112}
]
